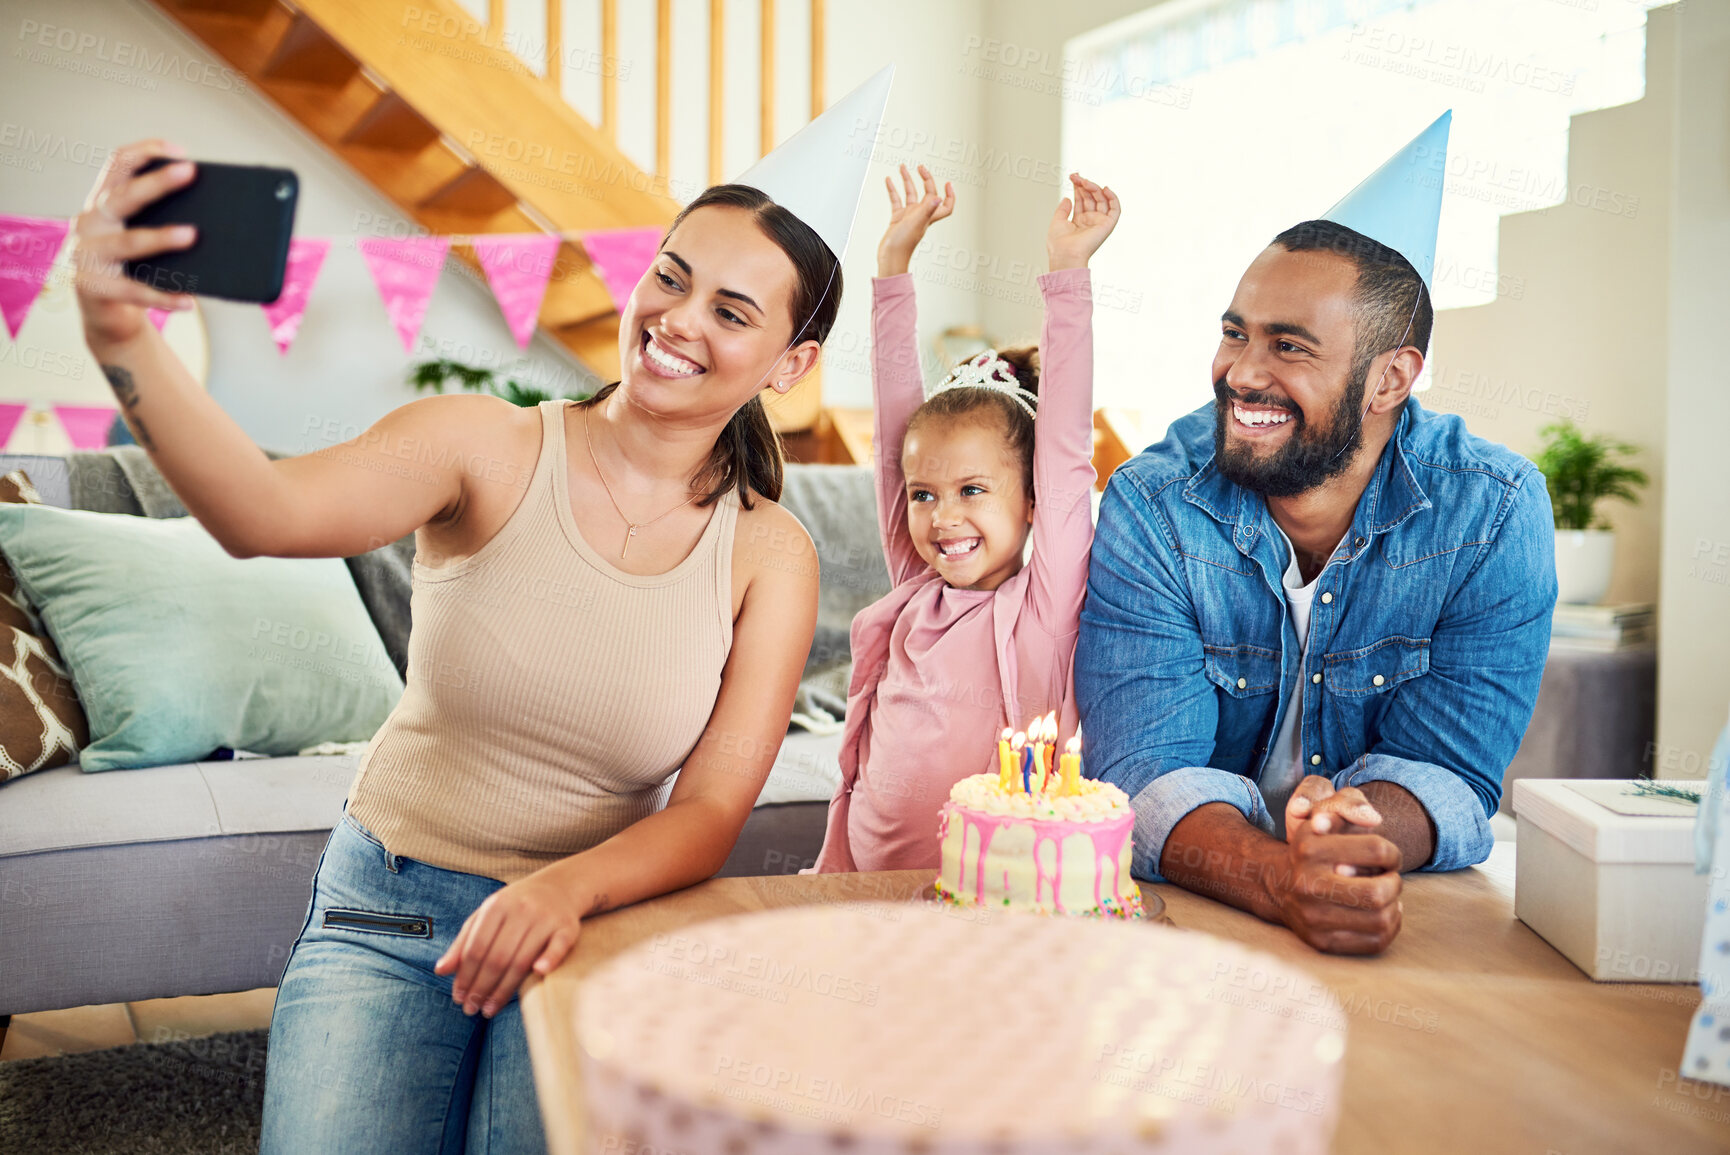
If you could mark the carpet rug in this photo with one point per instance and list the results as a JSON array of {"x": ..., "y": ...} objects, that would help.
[{"x": 202, "y": 1096}]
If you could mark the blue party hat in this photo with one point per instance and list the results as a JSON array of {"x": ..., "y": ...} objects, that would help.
[{"x": 1400, "y": 203}]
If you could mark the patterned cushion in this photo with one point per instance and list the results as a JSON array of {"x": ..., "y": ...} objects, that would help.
[{"x": 41, "y": 722}]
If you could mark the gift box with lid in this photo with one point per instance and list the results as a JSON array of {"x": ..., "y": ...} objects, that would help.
[{"x": 1605, "y": 874}]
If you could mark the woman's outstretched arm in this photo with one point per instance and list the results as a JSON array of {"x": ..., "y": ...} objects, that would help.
[{"x": 342, "y": 500}]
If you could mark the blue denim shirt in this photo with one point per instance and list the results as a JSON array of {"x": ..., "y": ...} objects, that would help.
[{"x": 1429, "y": 628}]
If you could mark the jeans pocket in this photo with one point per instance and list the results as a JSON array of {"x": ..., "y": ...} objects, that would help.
[
  {"x": 361, "y": 830},
  {"x": 377, "y": 922}
]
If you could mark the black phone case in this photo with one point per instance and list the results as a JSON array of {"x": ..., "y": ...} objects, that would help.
[{"x": 244, "y": 216}]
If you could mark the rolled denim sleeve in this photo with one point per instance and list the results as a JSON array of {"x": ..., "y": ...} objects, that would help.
[
  {"x": 1449, "y": 736},
  {"x": 1463, "y": 836},
  {"x": 1146, "y": 705},
  {"x": 1164, "y": 802}
]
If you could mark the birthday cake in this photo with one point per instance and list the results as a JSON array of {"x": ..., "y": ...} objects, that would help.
[
  {"x": 1037, "y": 837},
  {"x": 889, "y": 1028}
]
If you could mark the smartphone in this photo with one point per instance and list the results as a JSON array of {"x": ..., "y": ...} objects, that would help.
[{"x": 244, "y": 216}]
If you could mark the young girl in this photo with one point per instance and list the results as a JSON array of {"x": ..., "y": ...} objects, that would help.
[{"x": 970, "y": 640}]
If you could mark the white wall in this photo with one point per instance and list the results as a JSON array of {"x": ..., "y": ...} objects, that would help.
[
  {"x": 1020, "y": 66},
  {"x": 1694, "y": 609},
  {"x": 1510, "y": 368},
  {"x": 933, "y": 118},
  {"x": 64, "y": 107}
]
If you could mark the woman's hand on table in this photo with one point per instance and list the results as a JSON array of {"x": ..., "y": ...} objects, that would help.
[{"x": 528, "y": 926}]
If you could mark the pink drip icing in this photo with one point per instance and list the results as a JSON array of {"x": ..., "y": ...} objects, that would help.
[
  {"x": 1112, "y": 833},
  {"x": 985, "y": 833},
  {"x": 1114, "y": 852}
]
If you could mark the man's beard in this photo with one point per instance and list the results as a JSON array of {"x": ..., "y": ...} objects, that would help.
[{"x": 1303, "y": 462}]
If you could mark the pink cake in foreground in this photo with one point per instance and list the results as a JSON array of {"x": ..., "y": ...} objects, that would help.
[
  {"x": 889, "y": 1028},
  {"x": 1050, "y": 852}
]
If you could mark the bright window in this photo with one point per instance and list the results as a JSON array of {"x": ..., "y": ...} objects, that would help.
[{"x": 1222, "y": 122}]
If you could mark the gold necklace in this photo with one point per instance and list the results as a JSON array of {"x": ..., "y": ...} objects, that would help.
[{"x": 630, "y": 526}]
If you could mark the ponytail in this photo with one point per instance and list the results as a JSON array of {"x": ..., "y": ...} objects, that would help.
[{"x": 747, "y": 455}]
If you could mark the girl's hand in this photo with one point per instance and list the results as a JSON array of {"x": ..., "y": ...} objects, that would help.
[
  {"x": 909, "y": 218},
  {"x": 111, "y": 302},
  {"x": 1071, "y": 240},
  {"x": 529, "y": 925}
]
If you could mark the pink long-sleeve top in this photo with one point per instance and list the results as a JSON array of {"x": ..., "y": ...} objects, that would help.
[{"x": 935, "y": 666}]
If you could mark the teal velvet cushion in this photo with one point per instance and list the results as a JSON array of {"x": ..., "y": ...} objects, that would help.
[{"x": 176, "y": 648}]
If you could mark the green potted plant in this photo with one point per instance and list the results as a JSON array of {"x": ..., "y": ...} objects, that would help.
[
  {"x": 1581, "y": 471},
  {"x": 440, "y": 371}
]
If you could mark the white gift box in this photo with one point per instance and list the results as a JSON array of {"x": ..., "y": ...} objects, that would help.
[{"x": 1606, "y": 876}]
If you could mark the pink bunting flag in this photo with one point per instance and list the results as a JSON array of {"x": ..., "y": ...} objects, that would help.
[
  {"x": 86, "y": 425},
  {"x": 28, "y": 246},
  {"x": 622, "y": 256},
  {"x": 305, "y": 258},
  {"x": 406, "y": 271},
  {"x": 517, "y": 267},
  {"x": 158, "y": 317},
  {"x": 10, "y": 416}
]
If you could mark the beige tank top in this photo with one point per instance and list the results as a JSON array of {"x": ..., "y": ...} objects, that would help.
[{"x": 549, "y": 695}]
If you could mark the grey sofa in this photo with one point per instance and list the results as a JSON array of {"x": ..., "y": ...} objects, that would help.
[{"x": 194, "y": 878}]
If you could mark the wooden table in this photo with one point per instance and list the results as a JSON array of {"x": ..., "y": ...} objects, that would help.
[{"x": 1471, "y": 1034}]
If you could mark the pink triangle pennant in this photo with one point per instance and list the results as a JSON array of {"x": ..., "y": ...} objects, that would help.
[
  {"x": 305, "y": 258},
  {"x": 517, "y": 267},
  {"x": 86, "y": 425},
  {"x": 158, "y": 317},
  {"x": 622, "y": 256},
  {"x": 406, "y": 270},
  {"x": 10, "y": 416},
  {"x": 27, "y": 249}
]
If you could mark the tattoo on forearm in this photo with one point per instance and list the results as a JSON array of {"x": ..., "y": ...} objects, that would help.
[
  {"x": 601, "y": 905},
  {"x": 127, "y": 392}
]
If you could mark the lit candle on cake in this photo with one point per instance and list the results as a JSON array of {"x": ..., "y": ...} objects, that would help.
[
  {"x": 1049, "y": 733},
  {"x": 1024, "y": 752},
  {"x": 1071, "y": 765},
  {"x": 1037, "y": 735},
  {"x": 1005, "y": 763}
]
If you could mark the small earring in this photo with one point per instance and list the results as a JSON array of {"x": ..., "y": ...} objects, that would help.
[{"x": 781, "y": 387}]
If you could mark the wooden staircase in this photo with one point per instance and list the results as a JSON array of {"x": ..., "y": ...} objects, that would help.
[{"x": 456, "y": 131}]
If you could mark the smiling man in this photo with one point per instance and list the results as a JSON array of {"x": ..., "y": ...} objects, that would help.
[{"x": 1316, "y": 614}]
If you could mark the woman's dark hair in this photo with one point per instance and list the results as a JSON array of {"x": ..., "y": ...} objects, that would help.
[
  {"x": 972, "y": 403},
  {"x": 747, "y": 456}
]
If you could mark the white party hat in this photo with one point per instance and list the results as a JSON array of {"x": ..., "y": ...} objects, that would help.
[{"x": 818, "y": 173}]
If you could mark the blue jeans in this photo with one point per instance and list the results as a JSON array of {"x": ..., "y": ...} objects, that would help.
[{"x": 368, "y": 1054}]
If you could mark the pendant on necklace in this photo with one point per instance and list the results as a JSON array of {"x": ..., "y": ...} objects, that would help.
[{"x": 628, "y": 537}]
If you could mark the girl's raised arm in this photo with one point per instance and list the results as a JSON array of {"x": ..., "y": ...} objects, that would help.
[
  {"x": 1063, "y": 474},
  {"x": 897, "y": 377}
]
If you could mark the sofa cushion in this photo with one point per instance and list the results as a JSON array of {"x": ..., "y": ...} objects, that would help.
[
  {"x": 123, "y": 479},
  {"x": 62, "y": 809},
  {"x": 837, "y": 505},
  {"x": 178, "y": 649},
  {"x": 48, "y": 473},
  {"x": 41, "y": 723},
  {"x": 176, "y": 880}
]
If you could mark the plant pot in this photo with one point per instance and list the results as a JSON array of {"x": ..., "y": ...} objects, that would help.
[{"x": 1584, "y": 560}]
